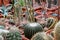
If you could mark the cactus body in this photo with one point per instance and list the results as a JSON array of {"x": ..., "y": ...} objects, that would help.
[
  {"x": 31, "y": 29},
  {"x": 51, "y": 22},
  {"x": 41, "y": 36},
  {"x": 13, "y": 34}
]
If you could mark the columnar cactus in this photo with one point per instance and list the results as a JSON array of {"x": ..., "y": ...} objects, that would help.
[
  {"x": 13, "y": 34},
  {"x": 31, "y": 29},
  {"x": 57, "y": 31},
  {"x": 41, "y": 36}
]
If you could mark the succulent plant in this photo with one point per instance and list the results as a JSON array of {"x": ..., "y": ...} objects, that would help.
[
  {"x": 51, "y": 22},
  {"x": 41, "y": 36},
  {"x": 32, "y": 28},
  {"x": 57, "y": 31},
  {"x": 13, "y": 34}
]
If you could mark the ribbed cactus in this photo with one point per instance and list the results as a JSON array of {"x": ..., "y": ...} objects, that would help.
[
  {"x": 57, "y": 31},
  {"x": 31, "y": 29},
  {"x": 51, "y": 22},
  {"x": 41, "y": 36},
  {"x": 13, "y": 34}
]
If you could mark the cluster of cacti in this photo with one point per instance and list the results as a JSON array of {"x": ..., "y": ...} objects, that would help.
[
  {"x": 57, "y": 31},
  {"x": 51, "y": 22},
  {"x": 32, "y": 28},
  {"x": 41, "y": 36},
  {"x": 13, "y": 34}
]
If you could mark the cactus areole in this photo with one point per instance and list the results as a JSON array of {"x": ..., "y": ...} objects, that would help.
[{"x": 31, "y": 29}]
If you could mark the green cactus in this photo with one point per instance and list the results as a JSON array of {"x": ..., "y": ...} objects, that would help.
[
  {"x": 41, "y": 36},
  {"x": 31, "y": 29},
  {"x": 13, "y": 34},
  {"x": 51, "y": 22}
]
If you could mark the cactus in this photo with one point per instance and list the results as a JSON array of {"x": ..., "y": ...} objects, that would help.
[
  {"x": 57, "y": 31},
  {"x": 51, "y": 22},
  {"x": 31, "y": 29},
  {"x": 13, "y": 34},
  {"x": 41, "y": 36}
]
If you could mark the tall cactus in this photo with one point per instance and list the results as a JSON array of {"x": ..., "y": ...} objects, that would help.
[{"x": 29, "y": 6}]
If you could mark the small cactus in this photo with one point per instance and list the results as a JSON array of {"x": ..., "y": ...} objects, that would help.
[
  {"x": 41, "y": 36},
  {"x": 51, "y": 22},
  {"x": 31, "y": 29},
  {"x": 13, "y": 34}
]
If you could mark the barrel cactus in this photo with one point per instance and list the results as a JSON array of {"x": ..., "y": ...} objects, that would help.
[
  {"x": 51, "y": 22},
  {"x": 57, "y": 31},
  {"x": 13, "y": 34},
  {"x": 41, "y": 36},
  {"x": 31, "y": 29}
]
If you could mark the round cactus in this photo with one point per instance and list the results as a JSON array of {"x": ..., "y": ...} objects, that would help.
[
  {"x": 31, "y": 29},
  {"x": 51, "y": 22},
  {"x": 41, "y": 36},
  {"x": 13, "y": 34},
  {"x": 57, "y": 31}
]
